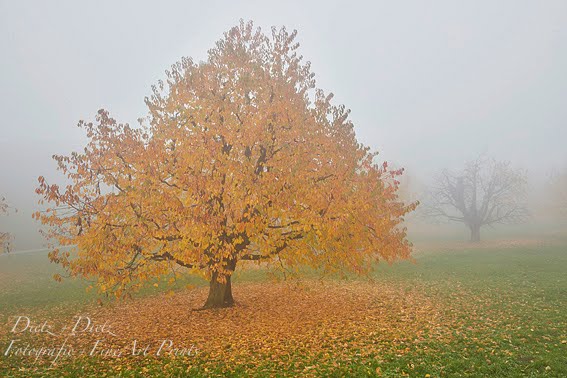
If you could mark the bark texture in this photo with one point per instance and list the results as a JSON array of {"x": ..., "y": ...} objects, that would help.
[{"x": 220, "y": 293}]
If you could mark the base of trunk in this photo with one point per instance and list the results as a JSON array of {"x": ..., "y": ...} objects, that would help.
[
  {"x": 220, "y": 294},
  {"x": 475, "y": 234}
]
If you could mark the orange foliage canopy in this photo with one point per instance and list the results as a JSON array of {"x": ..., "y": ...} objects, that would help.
[{"x": 242, "y": 159}]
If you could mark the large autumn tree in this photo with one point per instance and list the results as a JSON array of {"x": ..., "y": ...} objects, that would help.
[{"x": 242, "y": 159}]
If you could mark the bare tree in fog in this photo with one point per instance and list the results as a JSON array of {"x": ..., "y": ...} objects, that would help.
[
  {"x": 484, "y": 193},
  {"x": 5, "y": 237}
]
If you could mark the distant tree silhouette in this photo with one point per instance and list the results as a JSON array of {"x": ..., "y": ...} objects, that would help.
[
  {"x": 5, "y": 237},
  {"x": 485, "y": 192}
]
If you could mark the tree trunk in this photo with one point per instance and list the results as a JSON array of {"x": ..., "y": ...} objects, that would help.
[
  {"x": 220, "y": 294},
  {"x": 475, "y": 233}
]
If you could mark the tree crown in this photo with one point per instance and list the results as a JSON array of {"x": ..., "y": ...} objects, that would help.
[
  {"x": 485, "y": 192},
  {"x": 243, "y": 159}
]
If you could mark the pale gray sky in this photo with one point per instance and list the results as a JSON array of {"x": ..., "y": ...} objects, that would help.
[{"x": 430, "y": 84}]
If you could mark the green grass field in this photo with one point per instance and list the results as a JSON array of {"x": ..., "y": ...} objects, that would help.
[{"x": 502, "y": 309}]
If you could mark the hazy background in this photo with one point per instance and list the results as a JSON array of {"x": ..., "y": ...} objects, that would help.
[{"x": 430, "y": 84}]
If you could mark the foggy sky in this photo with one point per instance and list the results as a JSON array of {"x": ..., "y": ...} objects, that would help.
[{"x": 430, "y": 84}]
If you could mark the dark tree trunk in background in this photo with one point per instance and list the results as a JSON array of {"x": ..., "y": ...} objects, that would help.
[
  {"x": 220, "y": 294},
  {"x": 475, "y": 233}
]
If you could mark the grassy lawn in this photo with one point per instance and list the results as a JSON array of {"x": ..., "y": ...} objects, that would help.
[{"x": 494, "y": 311}]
